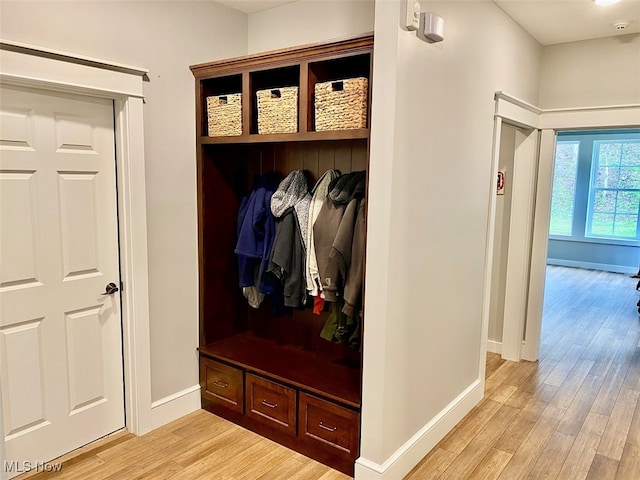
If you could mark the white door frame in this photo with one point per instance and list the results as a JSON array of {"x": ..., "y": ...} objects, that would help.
[
  {"x": 520, "y": 234},
  {"x": 519, "y": 113},
  {"x": 539, "y": 246},
  {"x": 35, "y": 67}
]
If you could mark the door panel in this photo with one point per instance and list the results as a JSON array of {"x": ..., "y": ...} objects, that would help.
[
  {"x": 24, "y": 405},
  {"x": 84, "y": 344},
  {"x": 18, "y": 248},
  {"x": 16, "y": 125},
  {"x": 74, "y": 134},
  {"x": 78, "y": 224},
  {"x": 61, "y": 357}
]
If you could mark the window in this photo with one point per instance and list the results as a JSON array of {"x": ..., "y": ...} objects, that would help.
[
  {"x": 596, "y": 186},
  {"x": 615, "y": 190},
  {"x": 564, "y": 188}
]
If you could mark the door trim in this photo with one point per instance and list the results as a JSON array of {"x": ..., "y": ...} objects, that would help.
[
  {"x": 539, "y": 246},
  {"x": 520, "y": 242},
  {"x": 520, "y": 114},
  {"x": 46, "y": 69}
]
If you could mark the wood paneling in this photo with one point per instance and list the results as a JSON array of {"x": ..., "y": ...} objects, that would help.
[{"x": 226, "y": 172}]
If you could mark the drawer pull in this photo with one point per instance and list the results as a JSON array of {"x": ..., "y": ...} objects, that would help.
[
  {"x": 329, "y": 429},
  {"x": 220, "y": 384},
  {"x": 270, "y": 405}
]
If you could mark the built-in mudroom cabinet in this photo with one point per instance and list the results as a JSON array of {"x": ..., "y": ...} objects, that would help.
[{"x": 290, "y": 373}]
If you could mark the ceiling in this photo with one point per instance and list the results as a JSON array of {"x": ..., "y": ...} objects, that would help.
[
  {"x": 548, "y": 21},
  {"x": 560, "y": 21},
  {"x": 252, "y": 6}
]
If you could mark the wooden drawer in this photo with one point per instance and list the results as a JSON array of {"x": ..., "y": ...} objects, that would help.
[
  {"x": 222, "y": 384},
  {"x": 271, "y": 403},
  {"x": 329, "y": 426}
]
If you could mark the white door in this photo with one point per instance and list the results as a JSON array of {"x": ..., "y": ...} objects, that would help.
[{"x": 60, "y": 338}]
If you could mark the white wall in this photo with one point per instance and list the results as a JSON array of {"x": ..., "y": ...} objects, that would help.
[
  {"x": 604, "y": 71},
  {"x": 308, "y": 21},
  {"x": 430, "y": 184},
  {"x": 164, "y": 37}
]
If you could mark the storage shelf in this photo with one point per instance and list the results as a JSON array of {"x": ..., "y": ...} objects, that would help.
[
  {"x": 289, "y": 137},
  {"x": 290, "y": 365},
  {"x": 288, "y": 349}
]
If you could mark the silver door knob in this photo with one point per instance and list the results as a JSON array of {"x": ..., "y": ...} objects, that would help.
[{"x": 110, "y": 289}]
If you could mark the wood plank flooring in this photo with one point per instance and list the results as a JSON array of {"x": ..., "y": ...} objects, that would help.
[
  {"x": 197, "y": 446},
  {"x": 575, "y": 414}
]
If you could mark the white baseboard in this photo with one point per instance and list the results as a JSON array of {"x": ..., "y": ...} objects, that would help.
[
  {"x": 592, "y": 266},
  {"x": 494, "y": 347},
  {"x": 408, "y": 455},
  {"x": 174, "y": 406}
]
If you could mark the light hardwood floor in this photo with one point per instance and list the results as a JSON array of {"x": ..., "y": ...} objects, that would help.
[{"x": 574, "y": 414}]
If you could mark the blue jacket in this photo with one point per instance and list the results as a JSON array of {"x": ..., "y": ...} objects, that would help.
[{"x": 256, "y": 231}]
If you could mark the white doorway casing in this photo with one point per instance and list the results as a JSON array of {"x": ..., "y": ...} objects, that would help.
[
  {"x": 24, "y": 65},
  {"x": 512, "y": 217},
  {"x": 522, "y": 329}
]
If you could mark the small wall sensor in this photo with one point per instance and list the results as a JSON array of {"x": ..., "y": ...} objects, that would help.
[
  {"x": 431, "y": 27},
  {"x": 410, "y": 19}
]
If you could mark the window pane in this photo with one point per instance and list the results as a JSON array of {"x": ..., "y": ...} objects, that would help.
[
  {"x": 629, "y": 178},
  {"x": 608, "y": 153},
  {"x": 628, "y": 202},
  {"x": 564, "y": 188},
  {"x": 602, "y": 224},
  {"x": 626, "y": 226},
  {"x": 604, "y": 201},
  {"x": 631, "y": 153},
  {"x": 607, "y": 177}
]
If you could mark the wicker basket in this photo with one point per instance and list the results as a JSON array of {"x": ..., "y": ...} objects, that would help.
[
  {"x": 225, "y": 115},
  {"x": 341, "y": 104},
  {"x": 278, "y": 110}
]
